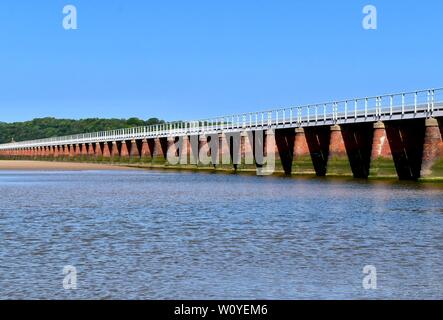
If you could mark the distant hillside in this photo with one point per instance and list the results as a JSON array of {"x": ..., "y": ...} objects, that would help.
[{"x": 50, "y": 127}]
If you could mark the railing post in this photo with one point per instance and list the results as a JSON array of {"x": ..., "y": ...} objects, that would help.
[
  {"x": 324, "y": 112},
  {"x": 429, "y": 100},
  {"x": 336, "y": 111},
  {"x": 309, "y": 113},
  {"x": 355, "y": 108},
  {"x": 299, "y": 115},
  {"x": 391, "y": 105},
  {"x": 378, "y": 107},
  {"x": 415, "y": 102},
  {"x": 403, "y": 104},
  {"x": 366, "y": 107},
  {"x": 432, "y": 100}
]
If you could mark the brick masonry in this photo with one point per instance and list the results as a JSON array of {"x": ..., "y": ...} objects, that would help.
[{"x": 407, "y": 149}]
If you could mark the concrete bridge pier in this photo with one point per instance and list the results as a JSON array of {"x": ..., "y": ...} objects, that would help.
[
  {"x": 91, "y": 151},
  {"x": 432, "y": 162},
  {"x": 338, "y": 161},
  {"x": 56, "y": 152},
  {"x": 145, "y": 153},
  {"x": 106, "y": 151},
  {"x": 247, "y": 150},
  {"x": 184, "y": 151},
  {"x": 98, "y": 152},
  {"x": 302, "y": 163},
  {"x": 172, "y": 154},
  {"x": 71, "y": 152},
  {"x": 134, "y": 154},
  {"x": 204, "y": 153},
  {"x": 382, "y": 162},
  {"x": 193, "y": 149},
  {"x": 83, "y": 152},
  {"x": 224, "y": 152},
  {"x": 123, "y": 151},
  {"x": 77, "y": 152},
  {"x": 267, "y": 156},
  {"x": 114, "y": 151},
  {"x": 159, "y": 150}
]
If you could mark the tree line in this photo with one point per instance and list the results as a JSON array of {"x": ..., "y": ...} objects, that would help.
[{"x": 52, "y": 127}]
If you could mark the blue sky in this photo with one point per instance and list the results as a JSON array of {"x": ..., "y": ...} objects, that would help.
[{"x": 195, "y": 59}]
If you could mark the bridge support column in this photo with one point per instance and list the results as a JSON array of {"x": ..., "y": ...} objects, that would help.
[
  {"x": 204, "y": 156},
  {"x": 91, "y": 152},
  {"x": 193, "y": 149},
  {"x": 106, "y": 151},
  {"x": 302, "y": 163},
  {"x": 184, "y": 151},
  {"x": 71, "y": 152},
  {"x": 124, "y": 153},
  {"x": 84, "y": 152},
  {"x": 158, "y": 155},
  {"x": 65, "y": 152},
  {"x": 432, "y": 163},
  {"x": 114, "y": 151},
  {"x": 382, "y": 162},
  {"x": 266, "y": 164},
  {"x": 247, "y": 150},
  {"x": 77, "y": 152},
  {"x": 98, "y": 152},
  {"x": 171, "y": 152},
  {"x": 224, "y": 152},
  {"x": 56, "y": 152},
  {"x": 338, "y": 161},
  {"x": 134, "y": 153},
  {"x": 145, "y": 151}
]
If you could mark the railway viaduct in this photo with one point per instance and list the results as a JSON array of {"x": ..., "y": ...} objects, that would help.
[{"x": 394, "y": 135}]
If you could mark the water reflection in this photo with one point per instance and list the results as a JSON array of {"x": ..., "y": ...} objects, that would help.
[{"x": 181, "y": 235}]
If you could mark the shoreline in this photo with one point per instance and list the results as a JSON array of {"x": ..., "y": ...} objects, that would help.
[
  {"x": 42, "y": 165},
  {"x": 31, "y": 165}
]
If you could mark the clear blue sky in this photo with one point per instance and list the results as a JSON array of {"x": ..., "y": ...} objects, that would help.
[{"x": 194, "y": 59}]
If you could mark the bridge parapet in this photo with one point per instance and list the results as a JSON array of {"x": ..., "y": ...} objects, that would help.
[{"x": 406, "y": 105}]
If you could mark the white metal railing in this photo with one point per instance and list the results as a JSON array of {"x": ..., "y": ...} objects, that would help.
[{"x": 422, "y": 102}]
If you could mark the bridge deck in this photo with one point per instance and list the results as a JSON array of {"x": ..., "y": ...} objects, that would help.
[{"x": 412, "y": 105}]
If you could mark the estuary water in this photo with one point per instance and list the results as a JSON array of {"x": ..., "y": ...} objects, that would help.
[{"x": 185, "y": 235}]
